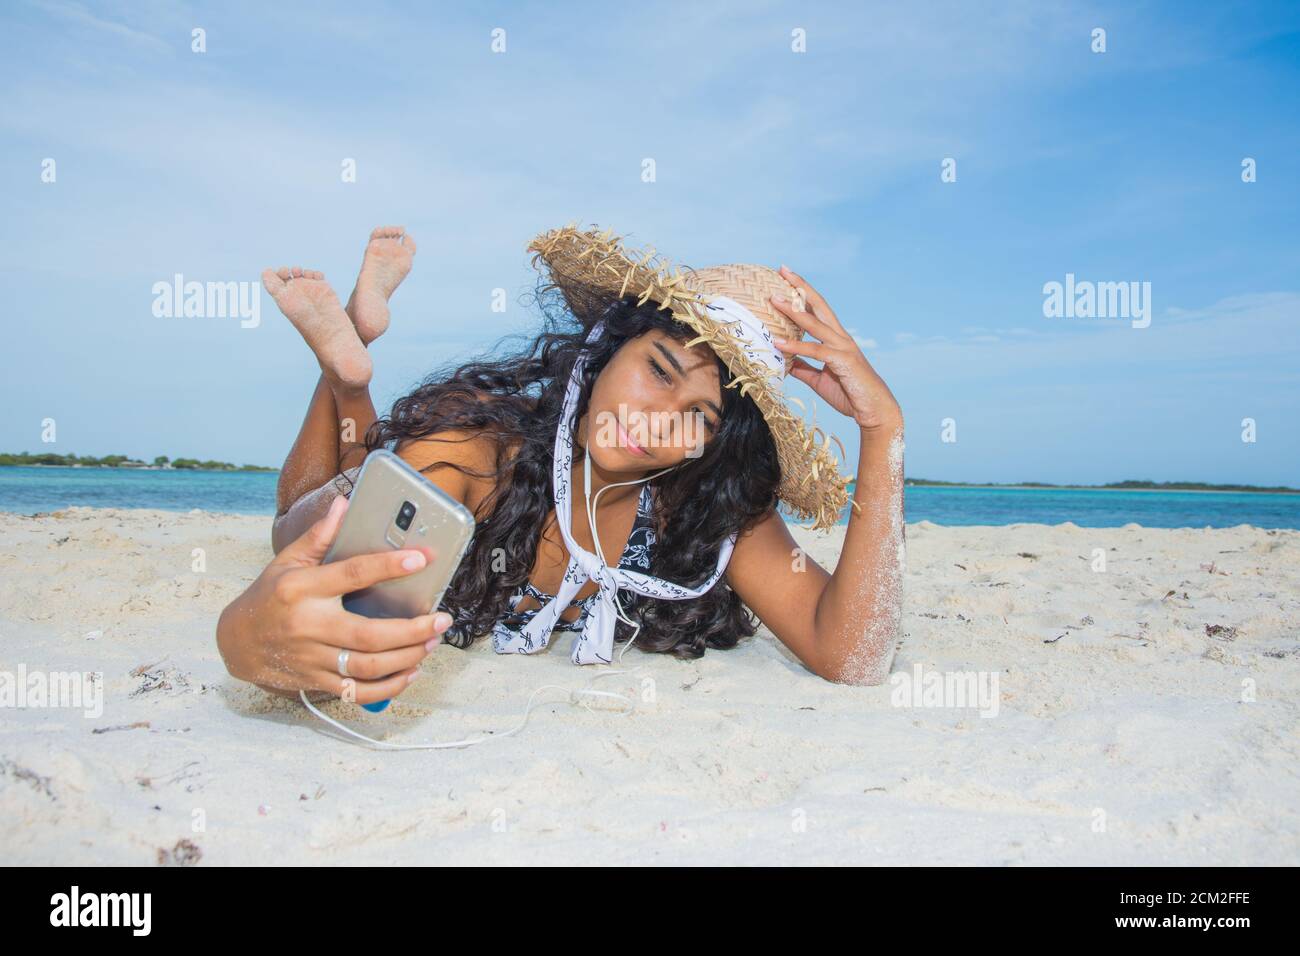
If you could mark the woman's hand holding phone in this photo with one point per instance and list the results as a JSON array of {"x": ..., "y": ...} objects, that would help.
[{"x": 284, "y": 633}]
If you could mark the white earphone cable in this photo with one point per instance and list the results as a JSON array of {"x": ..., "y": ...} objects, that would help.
[{"x": 595, "y": 538}]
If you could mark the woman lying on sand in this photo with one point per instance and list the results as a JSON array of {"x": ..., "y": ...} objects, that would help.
[{"x": 667, "y": 386}]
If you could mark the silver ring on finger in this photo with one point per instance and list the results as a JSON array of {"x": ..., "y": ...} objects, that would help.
[{"x": 343, "y": 663}]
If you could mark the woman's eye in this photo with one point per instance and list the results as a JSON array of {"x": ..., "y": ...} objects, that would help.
[{"x": 659, "y": 370}]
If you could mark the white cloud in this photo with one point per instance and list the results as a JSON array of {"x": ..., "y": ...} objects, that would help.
[{"x": 78, "y": 13}]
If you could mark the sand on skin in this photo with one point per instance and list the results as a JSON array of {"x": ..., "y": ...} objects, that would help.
[{"x": 1131, "y": 739}]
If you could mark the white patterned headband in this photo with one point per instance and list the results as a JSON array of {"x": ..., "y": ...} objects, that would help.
[{"x": 750, "y": 332}]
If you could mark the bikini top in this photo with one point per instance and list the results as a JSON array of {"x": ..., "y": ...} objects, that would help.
[{"x": 636, "y": 557}]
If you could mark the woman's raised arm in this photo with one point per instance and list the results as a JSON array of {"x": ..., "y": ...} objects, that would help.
[{"x": 843, "y": 626}]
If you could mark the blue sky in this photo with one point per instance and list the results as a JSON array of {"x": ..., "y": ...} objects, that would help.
[{"x": 1120, "y": 166}]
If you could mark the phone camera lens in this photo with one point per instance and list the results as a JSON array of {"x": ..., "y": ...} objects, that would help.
[{"x": 405, "y": 515}]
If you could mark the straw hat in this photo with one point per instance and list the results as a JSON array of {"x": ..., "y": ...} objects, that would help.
[{"x": 591, "y": 268}]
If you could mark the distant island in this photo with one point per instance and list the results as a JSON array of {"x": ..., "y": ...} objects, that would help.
[
  {"x": 1130, "y": 485},
  {"x": 161, "y": 463}
]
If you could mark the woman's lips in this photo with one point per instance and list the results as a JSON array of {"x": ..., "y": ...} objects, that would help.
[{"x": 627, "y": 441}]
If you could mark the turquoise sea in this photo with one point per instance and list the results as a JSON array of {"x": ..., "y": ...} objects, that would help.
[{"x": 30, "y": 490}]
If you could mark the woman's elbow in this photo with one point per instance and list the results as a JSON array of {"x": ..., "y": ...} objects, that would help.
[{"x": 867, "y": 664}]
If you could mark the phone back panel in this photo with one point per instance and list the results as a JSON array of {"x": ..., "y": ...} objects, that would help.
[{"x": 370, "y": 525}]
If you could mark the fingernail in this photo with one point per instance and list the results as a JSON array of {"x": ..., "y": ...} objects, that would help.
[
  {"x": 441, "y": 621},
  {"x": 431, "y": 643},
  {"x": 781, "y": 341},
  {"x": 413, "y": 561},
  {"x": 412, "y": 677},
  {"x": 778, "y": 298}
]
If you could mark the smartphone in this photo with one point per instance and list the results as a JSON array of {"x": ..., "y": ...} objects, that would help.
[{"x": 392, "y": 507}]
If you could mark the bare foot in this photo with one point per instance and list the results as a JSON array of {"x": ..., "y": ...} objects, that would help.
[
  {"x": 310, "y": 304},
  {"x": 386, "y": 263}
]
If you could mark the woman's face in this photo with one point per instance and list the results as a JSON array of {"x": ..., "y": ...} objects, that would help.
[{"x": 655, "y": 404}]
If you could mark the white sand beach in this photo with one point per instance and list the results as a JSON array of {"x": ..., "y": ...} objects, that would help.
[{"x": 1146, "y": 714}]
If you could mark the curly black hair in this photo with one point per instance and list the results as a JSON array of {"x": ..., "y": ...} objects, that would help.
[{"x": 517, "y": 400}]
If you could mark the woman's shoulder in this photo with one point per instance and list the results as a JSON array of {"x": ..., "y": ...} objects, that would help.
[
  {"x": 471, "y": 455},
  {"x": 463, "y": 446},
  {"x": 481, "y": 451}
]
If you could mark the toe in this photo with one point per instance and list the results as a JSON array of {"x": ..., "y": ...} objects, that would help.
[
  {"x": 408, "y": 241},
  {"x": 271, "y": 281}
]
